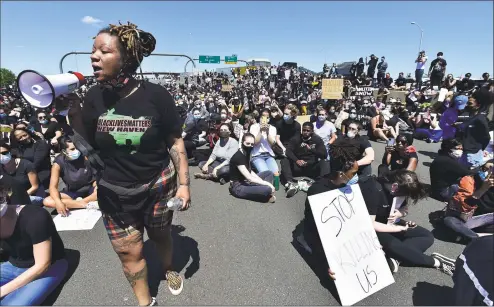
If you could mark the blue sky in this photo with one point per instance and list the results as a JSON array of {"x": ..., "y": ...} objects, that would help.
[{"x": 35, "y": 35}]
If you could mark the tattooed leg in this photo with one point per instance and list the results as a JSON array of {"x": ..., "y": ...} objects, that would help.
[{"x": 130, "y": 252}]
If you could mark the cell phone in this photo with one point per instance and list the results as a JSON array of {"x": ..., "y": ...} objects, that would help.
[{"x": 391, "y": 143}]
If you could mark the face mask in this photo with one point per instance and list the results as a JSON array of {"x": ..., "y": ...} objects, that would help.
[
  {"x": 43, "y": 122},
  {"x": 224, "y": 134},
  {"x": 74, "y": 155},
  {"x": 353, "y": 180},
  {"x": 331, "y": 111},
  {"x": 456, "y": 153},
  {"x": 223, "y": 116},
  {"x": 26, "y": 142},
  {"x": 118, "y": 82},
  {"x": 197, "y": 116},
  {"x": 351, "y": 134},
  {"x": 352, "y": 116},
  {"x": 247, "y": 149},
  {"x": 3, "y": 115},
  {"x": 287, "y": 118},
  {"x": 483, "y": 175},
  {"x": 321, "y": 118},
  {"x": 4, "y": 159}
]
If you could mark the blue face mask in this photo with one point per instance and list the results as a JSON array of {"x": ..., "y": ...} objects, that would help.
[
  {"x": 197, "y": 116},
  {"x": 74, "y": 155},
  {"x": 483, "y": 175},
  {"x": 4, "y": 159},
  {"x": 43, "y": 122},
  {"x": 353, "y": 180},
  {"x": 3, "y": 115},
  {"x": 287, "y": 118}
]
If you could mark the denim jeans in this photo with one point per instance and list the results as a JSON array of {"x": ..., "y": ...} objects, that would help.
[
  {"x": 253, "y": 191},
  {"x": 36, "y": 200},
  {"x": 465, "y": 228},
  {"x": 473, "y": 160},
  {"x": 264, "y": 162},
  {"x": 35, "y": 292}
]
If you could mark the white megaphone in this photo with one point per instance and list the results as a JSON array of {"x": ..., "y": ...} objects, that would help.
[{"x": 41, "y": 91}]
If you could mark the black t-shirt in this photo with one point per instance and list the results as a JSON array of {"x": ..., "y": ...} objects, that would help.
[
  {"x": 363, "y": 143},
  {"x": 238, "y": 159},
  {"x": 398, "y": 161},
  {"x": 49, "y": 133},
  {"x": 77, "y": 175},
  {"x": 21, "y": 173},
  {"x": 445, "y": 171},
  {"x": 377, "y": 199},
  {"x": 387, "y": 82},
  {"x": 438, "y": 66},
  {"x": 400, "y": 81},
  {"x": 288, "y": 132},
  {"x": 39, "y": 154},
  {"x": 34, "y": 225},
  {"x": 131, "y": 133}
]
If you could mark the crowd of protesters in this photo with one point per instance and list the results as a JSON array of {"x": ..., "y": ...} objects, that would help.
[{"x": 243, "y": 130}]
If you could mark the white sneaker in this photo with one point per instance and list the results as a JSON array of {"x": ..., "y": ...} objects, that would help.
[{"x": 93, "y": 205}]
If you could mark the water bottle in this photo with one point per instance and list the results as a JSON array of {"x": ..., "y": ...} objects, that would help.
[{"x": 175, "y": 203}]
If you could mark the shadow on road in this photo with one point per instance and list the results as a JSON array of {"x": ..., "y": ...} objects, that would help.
[
  {"x": 73, "y": 258},
  {"x": 427, "y": 294},
  {"x": 429, "y": 154},
  {"x": 427, "y": 164},
  {"x": 184, "y": 248},
  {"x": 316, "y": 261}
]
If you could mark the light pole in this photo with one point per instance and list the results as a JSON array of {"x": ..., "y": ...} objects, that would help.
[{"x": 421, "y": 34}]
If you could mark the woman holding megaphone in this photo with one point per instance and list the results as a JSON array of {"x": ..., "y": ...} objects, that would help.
[{"x": 136, "y": 129}]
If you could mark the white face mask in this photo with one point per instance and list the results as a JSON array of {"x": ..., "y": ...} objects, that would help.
[
  {"x": 456, "y": 153},
  {"x": 351, "y": 134},
  {"x": 223, "y": 116}
]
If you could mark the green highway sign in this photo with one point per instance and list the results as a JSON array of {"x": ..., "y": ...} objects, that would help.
[
  {"x": 209, "y": 59},
  {"x": 231, "y": 59}
]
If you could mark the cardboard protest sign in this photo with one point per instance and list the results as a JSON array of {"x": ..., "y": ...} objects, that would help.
[
  {"x": 363, "y": 91},
  {"x": 332, "y": 88},
  {"x": 226, "y": 88},
  {"x": 350, "y": 243}
]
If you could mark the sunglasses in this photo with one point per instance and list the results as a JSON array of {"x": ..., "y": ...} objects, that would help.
[
  {"x": 248, "y": 144},
  {"x": 4, "y": 153},
  {"x": 42, "y": 117}
]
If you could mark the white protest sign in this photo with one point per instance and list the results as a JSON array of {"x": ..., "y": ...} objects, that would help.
[{"x": 350, "y": 243}]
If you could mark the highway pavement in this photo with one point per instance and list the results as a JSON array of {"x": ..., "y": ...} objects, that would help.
[{"x": 237, "y": 252}]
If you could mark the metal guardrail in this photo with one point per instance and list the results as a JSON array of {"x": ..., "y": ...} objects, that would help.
[
  {"x": 155, "y": 54},
  {"x": 221, "y": 60}
]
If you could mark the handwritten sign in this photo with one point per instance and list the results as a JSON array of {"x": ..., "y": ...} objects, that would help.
[
  {"x": 332, "y": 88},
  {"x": 363, "y": 91},
  {"x": 350, "y": 243}
]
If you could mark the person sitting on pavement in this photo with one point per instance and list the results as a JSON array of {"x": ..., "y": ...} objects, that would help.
[
  {"x": 37, "y": 262},
  {"x": 399, "y": 155},
  {"x": 325, "y": 129},
  {"x": 30, "y": 130},
  {"x": 194, "y": 134},
  {"x": 217, "y": 167},
  {"x": 79, "y": 178},
  {"x": 263, "y": 156},
  {"x": 36, "y": 151},
  {"x": 48, "y": 128},
  {"x": 475, "y": 135},
  {"x": 289, "y": 128},
  {"x": 461, "y": 214},
  {"x": 366, "y": 152},
  {"x": 304, "y": 157},
  {"x": 244, "y": 182},
  {"x": 22, "y": 171},
  {"x": 380, "y": 130},
  {"x": 446, "y": 170}
]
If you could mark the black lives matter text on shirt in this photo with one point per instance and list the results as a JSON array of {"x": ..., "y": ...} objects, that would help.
[{"x": 131, "y": 133}]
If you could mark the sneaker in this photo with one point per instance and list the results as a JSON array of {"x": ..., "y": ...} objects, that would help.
[
  {"x": 92, "y": 205},
  {"x": 446, "y": 265},
  {"x": 393, "y": 264},
  {"x": 272, "y": 199},
  {"x": 291, "y": 189},
  {"x": 303, "y": 243},
  {"x": 175, "y": 282},
  {"x": 222, "y": 181},
  {"x": 154, "y": 302}
]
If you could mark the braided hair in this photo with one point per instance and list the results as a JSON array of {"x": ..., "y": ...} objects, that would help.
[
  {"x": 135, "y": 44},
  {"x": 344, "y": 154}
]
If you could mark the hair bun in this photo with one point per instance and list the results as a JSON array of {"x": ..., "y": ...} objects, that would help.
[{"x": 148, "y": 43}]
